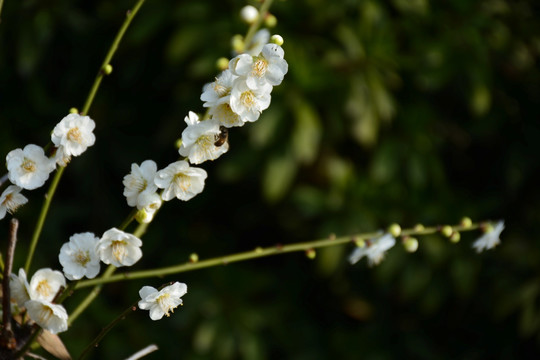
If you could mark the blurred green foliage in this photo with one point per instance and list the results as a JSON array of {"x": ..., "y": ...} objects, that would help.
[{"x": 392, "y": 111}]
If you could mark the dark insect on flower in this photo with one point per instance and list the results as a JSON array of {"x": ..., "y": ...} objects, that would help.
[{"x": 222, "y": 137}]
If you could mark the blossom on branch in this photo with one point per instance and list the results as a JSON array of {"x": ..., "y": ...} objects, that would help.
[
  {"x": 180, "y": 180},
  {"x": 29, "y": 168},
  {"x": 140, "y": 181},
  {"x": 374, "y": 249},
  {"x": 72, "y": 136},
  {"x": 161, "y": 302},
  {"x": 51, "y": 317},
  {"x": 119, "y": 248},
  {"x": 10, "y": 200},
  {"x": 79, "y": 257},
  {"x": 490, "y": 239},
  {"x": 45, "y": 284},
  {"x": 199, "y": 140}
]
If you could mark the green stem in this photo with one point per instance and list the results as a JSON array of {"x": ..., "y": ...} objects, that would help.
[
  {"x": 258, "y": 253},
  {"x": 129, "y": 16},
  {"x": 1, "y": 4},
  {"x": 42, "y": 216},
  {"x": 253, "y": 28}
]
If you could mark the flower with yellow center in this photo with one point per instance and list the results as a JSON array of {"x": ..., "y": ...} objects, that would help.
[
  {"x": 79, "y": 258},
  {"x": 161, "y": 302},
  {"x": 29, "y": 168},
  {"x": 119, "y": 248},
  {"x": 73, "y": 135},
  {"x": 199, "y": 140},
  {"x": 180, "y": 180},
  {"x": 140, "y": 181},
  {"x": 248, "y": 103},
  {"x": 10, "y": 200},
  {"x": 45, "y": 284}
]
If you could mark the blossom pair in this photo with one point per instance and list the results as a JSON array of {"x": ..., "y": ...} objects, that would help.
[
  {"x": 38, "y": 295},
  {"x": 81, "y": 255}
]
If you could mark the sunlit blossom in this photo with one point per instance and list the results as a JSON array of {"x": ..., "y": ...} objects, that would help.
[
  {"x": 29, "y": 168},
  {"x": 73, "y": 135},
  {"x": 119, "y": 248},
  {"x": 373, "y": 249},
  {"x": 139, "y": 181},
  {"x": 161, "y": 302},
  {"x": 10, "y": 200},
  {"x": 180, "y": 180},
  {"x": 79, "y": 258},
  {"x": 51, "y": 317}
]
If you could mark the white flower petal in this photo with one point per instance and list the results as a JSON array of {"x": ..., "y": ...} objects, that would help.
[{"x": 119, "y": 248}]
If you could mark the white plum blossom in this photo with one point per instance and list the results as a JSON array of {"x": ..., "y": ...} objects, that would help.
[
  {"x": 140, "y": 181},
  {"x": 119, "y": 248},
  {"x": 79, "y": 258},
  {"x": 249, "y": 103},
  {"x": 268, "y": 67},
  {"x": 45, "y": 284},
  {"x": 199, "y": 140},
  {"x": 51, "y": 317},
  {"x": 10, "y": 200},
  {"x": 223, "y": 113},
  {"x": 19, "y": 287},
  {"x": 161, "y": 302},
  {"x": 490, "y": 239},
  {"x": 374, "y": 249},
  {"x": 215, "y": 91},
  {"x": 72, "y": 136},
  {"x": 29, "y": 168},
  {"x": 180, "y": 180}
]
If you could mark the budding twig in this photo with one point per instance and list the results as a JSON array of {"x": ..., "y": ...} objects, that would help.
[{"x": 7, "y": 339}]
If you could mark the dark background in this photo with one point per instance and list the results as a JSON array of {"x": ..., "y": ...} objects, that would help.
[{"x": 392, "y": 111}]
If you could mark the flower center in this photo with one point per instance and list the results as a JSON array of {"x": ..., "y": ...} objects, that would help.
[
  {"x": 165, "y": 304},
  {"x": 182, "y": 181},
  {"x": 220, "y": 90},
  {"x": 74, "y": 134},
  {"x": 82, "y": 257},
  {"x": 28, "y": 165},
  {"x": 259, "y": 68},
  {"x": 43, "y": 288},
  {"x": 119, "y": 249},
  {"x": 248, "y": 99}
]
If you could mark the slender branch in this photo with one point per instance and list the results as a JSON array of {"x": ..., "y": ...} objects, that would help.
[
  {"x": 258, "y": 253},
  {"x": 42, "y": 216},
  {"x": 36, "y": 330},
  {"x": 129, "y": 16},
  {"x": 106, "y": 329},
  {"x": 7, "y": 340},
  {"x": 1, "y": 4},
  {"x": 253, "y": 28}
]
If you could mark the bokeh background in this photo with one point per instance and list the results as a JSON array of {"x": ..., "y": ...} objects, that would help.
[{"x": 408, "y": 111}]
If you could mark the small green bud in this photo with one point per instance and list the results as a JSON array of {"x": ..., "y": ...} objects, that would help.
[
  {"x": 410, "y": 244},
  {"x": 222, "y": 63},
  {"x": 107, "y": 69},
  {"x": 258, "y": 249},
  {"x": 237, "y": 43},
  {"x": 270, "y": 20},
  {"x": 311, "y": 254},
  {"x": 419, "y": 227},
  {"x": 466, "y": 222},
  {"x": 276, "y": 39},
  {"x": 447, "y": 231},
  {"x": 143, "y": 217},
  {"x": 394, "y": 230},
  {"x": 73, "y": 110},
  {"x": 193, "y": 258},
  {"x": 178, "y": 143},
  {"x": 360, "y": 242},
  {"x": 455, "y": 237}
]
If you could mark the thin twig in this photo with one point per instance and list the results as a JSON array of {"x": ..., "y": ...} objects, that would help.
[{"x": 8, "y": 340}]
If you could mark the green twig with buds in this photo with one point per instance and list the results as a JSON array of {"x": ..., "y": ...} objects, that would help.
[{"x": 307, "y": 247}]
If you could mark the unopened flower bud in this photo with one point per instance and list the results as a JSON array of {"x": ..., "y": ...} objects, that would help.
[
  {"x": 455, "y": 237},
  {"x": 249, "y": 14},
  {"x": 144, "y": 217},
  {"x": 360, "y": 242},
  {"x": 193, "y": 258},
  {"x": 73, "y": 110},
  {"x": 237, "y": 43},
  {"x": 276, "y": 39},
  {"x": 447, "y": 231},
  {"x": 410, "y": 244},
  {"x": 466, "y": 222},
  {"x": 222, "y": 63},
  {"x": 311, "y": 254},
  {"x": 394, "y": 230},
  {"x": 107, "y": 69},
  {"x": 270, "y": 21},
  {"x": 419, "y": 227},
  {"x": 178, "y": 143}
]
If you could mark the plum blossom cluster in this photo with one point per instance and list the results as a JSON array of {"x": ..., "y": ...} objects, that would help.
[
  {"x": 29, "y": 167},
  {"x": 37, "y": 297}
]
